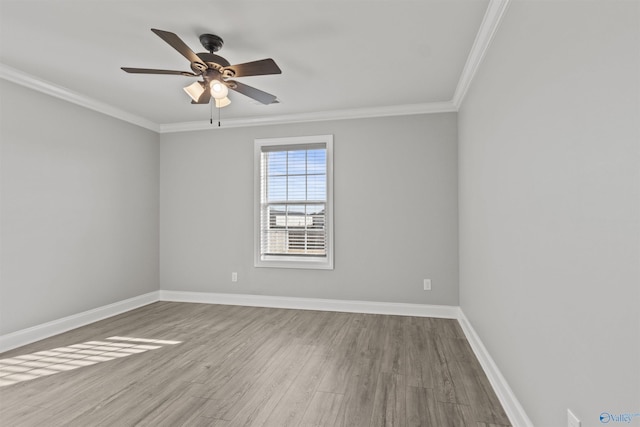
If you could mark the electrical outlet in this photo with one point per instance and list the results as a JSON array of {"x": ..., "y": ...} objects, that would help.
[
  {"x": 427, "y": 284},
  {"x": 234, "y": 277},
  {"x": 572, "y": 420}
]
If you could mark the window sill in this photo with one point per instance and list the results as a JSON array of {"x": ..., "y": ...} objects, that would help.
[{"x": 294, "y": 262}]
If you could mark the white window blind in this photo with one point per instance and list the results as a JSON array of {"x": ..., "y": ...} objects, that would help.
[{"x": 293, "y": 228}]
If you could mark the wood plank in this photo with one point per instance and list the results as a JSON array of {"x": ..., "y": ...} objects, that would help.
[
  {"x": 323, "y": 410},
  {"x": 269, "y": 388},
  {"x": 486, "y": 406},
  {"x": 394, "y": 348},
  {"x": 420, "y": 355},
  {"x": 254, "y": 366},
  {"x": 343, "y": 362},
  {"x": 454, "y": 415},
  {"x": 421, "y": 409},
  {"x": 448, "y": 385},
  {"x": 359, "y": 394},
  {"x": 389, "y": 406},
  {"x": 291, "y": 409}
]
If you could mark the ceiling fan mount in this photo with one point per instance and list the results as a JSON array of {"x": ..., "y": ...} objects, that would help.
[
  {"x": 214, "y": 69},
  {"x": 211, "y": 42}
]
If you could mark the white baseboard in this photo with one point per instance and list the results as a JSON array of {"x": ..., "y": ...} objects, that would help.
[
  {"x": 512, "y": 407},
  {"x": 372, "y": 307},
  {"x": 55, "y": 327},
  {"x": 507, "y": 398},
  {"x": 29, "y": 335}
]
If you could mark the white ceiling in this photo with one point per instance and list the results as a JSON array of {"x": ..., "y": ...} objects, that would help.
[{"x": 334, "y": 55}]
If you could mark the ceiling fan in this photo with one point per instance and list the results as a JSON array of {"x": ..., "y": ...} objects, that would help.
[{"x": 216, "y": 72}]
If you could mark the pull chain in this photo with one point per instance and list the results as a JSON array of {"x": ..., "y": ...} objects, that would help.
[{"x": 211, "y": 112}]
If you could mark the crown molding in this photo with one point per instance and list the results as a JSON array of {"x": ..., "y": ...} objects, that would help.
[
  {"x": 488, "y": 27},
  {"x": 490, "y": 22},
  {"x": 48, "y": 88},
  {"x": 31, "y": 82},
  {"x": 356, "y": 113}
]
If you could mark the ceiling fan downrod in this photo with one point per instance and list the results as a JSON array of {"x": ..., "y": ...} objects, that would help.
[{"x": 211, "y": 42}]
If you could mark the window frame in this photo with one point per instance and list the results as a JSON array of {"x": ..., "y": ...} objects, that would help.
[{"x": 293, "y": 261}]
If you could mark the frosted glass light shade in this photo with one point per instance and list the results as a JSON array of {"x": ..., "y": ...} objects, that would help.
[
  {"x": 218, "y": 90},
  {"x": 195, "y": 90},
  {"x": 222, "y": 102}
]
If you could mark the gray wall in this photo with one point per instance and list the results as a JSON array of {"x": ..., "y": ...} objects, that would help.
[
  {"x": 396, "y": 173},
  {"x": 79, "y": 213},
  {"x": 550, "y": 207}
]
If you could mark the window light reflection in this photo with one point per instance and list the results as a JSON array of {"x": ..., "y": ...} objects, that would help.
[{"x": 42, "y": 363}]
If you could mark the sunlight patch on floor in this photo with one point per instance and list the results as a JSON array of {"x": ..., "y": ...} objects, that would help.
[{"x": 48, "y": 362}]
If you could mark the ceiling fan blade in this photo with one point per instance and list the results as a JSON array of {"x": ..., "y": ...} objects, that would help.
[
  {"x": 255, "y": 68},
  {"x": 154, "y": 71},
  {"x": 175, "y": 42},
  {"x": 204, "y": 98},
  {"x": 260, "y": 96}
]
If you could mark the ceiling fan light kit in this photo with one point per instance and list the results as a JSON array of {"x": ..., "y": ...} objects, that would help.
[
  {"x": 218, "y": 89},
  {"x": 222, "y": 102},
  {"x": 194, "y": 90},
  {"x": 215, "y": 71}
]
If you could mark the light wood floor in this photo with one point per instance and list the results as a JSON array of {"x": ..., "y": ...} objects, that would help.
[{"x": 247, "y": 366}]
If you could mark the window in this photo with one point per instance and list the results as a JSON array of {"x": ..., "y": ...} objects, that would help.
[{"x": 294, "y": 209}]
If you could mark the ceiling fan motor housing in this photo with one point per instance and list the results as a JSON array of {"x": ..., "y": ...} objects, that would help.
[
  {"x": 211, "y": 42},
  {"x": 212, "y": 61}
]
